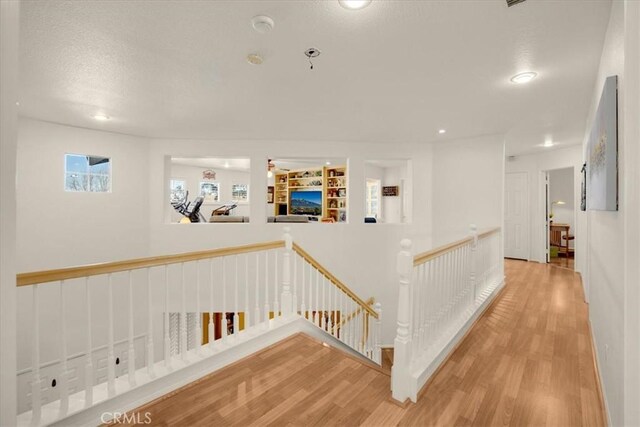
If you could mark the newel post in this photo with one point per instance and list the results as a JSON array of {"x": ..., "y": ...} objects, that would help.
[
  {"x": 400, "y": 372},
  {"x": 473, "y": 229},
  {"x": 286, "y": 299},
  {"x": 378, "y": 350}
]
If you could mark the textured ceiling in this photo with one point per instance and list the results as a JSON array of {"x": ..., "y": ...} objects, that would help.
[{"x": 395, "y": 71}]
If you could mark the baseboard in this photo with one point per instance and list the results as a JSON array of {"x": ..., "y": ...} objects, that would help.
[{"x": 596, "y": 365}]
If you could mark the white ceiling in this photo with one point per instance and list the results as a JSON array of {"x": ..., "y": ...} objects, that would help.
[{"x": 395, "y": 71}]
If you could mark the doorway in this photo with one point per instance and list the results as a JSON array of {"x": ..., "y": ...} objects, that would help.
[{"x": 561, "y": 215}]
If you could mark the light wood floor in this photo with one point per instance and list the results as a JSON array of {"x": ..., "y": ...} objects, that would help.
[{"x": 527, "y": 362}]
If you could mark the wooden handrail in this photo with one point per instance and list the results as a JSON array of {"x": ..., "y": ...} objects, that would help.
[
  {"x": 333, "y": 279},
  {"x": 355, "y": 312},
  {"x": 441, "y": 250},
  {"x": 25, "y": 279}
]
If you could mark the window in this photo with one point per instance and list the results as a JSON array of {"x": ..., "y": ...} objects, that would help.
[
  {"x": 178, "y": 190},
  {"x": 87, "y": 173},
  {"x": 373, "y": 198},
  {"x": 210, "y": 191},
  {"x": 240, "y": 192}
]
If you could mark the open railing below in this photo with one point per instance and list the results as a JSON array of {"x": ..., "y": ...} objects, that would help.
[
  {"x": 99, "y": 331},
  {"x": 441, "y": 293}
]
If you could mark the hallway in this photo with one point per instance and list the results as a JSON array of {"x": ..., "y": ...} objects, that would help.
[{"x": 527, "y": 361}]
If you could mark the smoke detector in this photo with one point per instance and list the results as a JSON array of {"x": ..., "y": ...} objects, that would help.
[{"x": 262, "y": 24}]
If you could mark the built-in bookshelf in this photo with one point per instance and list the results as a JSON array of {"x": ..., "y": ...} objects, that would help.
[
  {"x": 330, "y": 181},
  {"x": 281, "y": 193},
  {"x": 335, "y": 193}
]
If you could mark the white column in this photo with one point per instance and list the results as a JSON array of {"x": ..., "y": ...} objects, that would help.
[
  {"x": 286, "y": 299},
  {"x": 400, "y": 372}
]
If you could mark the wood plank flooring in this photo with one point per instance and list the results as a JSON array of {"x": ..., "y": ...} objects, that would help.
[{"x": 527, "y": 362}]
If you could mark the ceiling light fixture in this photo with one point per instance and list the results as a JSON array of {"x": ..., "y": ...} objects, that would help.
[
  {"x": 523, "y": 78},
  {"x": 226, "y": 165},
  {"x": 354, "y": 4},
  {"x": 441, "y": 131},
  {"x": 548, "y": 143},
  {"x": 101, "y": 117},
  {"x": 328, "y": 163}
]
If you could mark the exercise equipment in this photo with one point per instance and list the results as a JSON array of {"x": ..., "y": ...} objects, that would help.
[{"x": 182, "y": 207}]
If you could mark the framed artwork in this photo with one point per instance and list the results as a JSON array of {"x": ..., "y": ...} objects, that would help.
[
  {"x": 270, "y": 194},
  {"x": 178, "y": 190},
  {"x": 210, "y": 191},
  {"x": 240, "y": 192},
  {"x": 393, "y": 190},
  {"x": 602, "y": 151}
]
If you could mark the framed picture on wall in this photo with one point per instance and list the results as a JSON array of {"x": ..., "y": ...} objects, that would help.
[
  {"x": 240, "y": 192},
  {"x": 210, "y": 191},
  {"x": 270, "y": 194}
]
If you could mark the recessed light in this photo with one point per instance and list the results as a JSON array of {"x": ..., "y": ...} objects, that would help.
[
  {"x": 523, "y": 77},
  {"x": 101, "y": 117},
  {"x": 226, "y": 165},
  {"x": 254, "y": 59},
  {"x": 441, "y": 131},
  {"x": 327, "y": 163},
  {"x": 354, "y": 4}
]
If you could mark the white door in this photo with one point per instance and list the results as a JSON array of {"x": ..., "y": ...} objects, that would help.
[{"x": 516, "y": 216}]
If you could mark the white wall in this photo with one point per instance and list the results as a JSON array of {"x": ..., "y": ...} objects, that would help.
[
  {"x": 561, "y": 187},
  {"x": 534, "y": 165},
  {"x": 9, "y": 32},
  {"x": 226, "y": 178},
  {"x": 56, "y": 228},
  {"x": 612, "y": 237},
  {"x": 631, "y": 196},
  {"x": 467, "y": 173}
]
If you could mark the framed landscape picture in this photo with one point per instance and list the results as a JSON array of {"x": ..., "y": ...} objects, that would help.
[{"x": 602, "y": 154}]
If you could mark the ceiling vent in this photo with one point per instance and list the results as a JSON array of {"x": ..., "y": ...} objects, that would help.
[{"x": 514, "y": 2}]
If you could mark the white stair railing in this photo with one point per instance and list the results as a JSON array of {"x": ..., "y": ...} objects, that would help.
[
  {"x": 329, "y": 304},
  {"x": 441, "y": 293},
  {"x": 122, "y": 337}
]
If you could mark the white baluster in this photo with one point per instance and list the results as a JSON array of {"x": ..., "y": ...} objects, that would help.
[
  {"x": 378, "y": 334},
  {"x": 236, "y": 304},
  {"x": 183, "y": 315},
  {"x": 303, "y": 306},
  {"x": 267, "y": 309},
  {"x": 352, "y": 324},
  {"x": 225, "y": 321},
  {"x": 247, "y": 317},
  {"x": 416, "y": 312},
  {"x": 36, "y": 399},
  {"x": 276, "y": 306},
  {"x": 167, "y": 339},
  {"x": 64, "y": 377},
  {"x": 212, "y": 329},
  {"x": 316, "y": 314},
  {"x": 287, "y": 298},
  {"x": 150, "y": 350},
  {"x": 111, "y": 359},
  {"x": 294, "y": 299},
  {"x": 88, "y": 365},
  {"x": 199, "y": 341},
  {"x": 400, "y": 373},
  {"x": 323, "y": 316},
  {"x": 256, "y": 314},
  {"x": 131, "y": 356}
]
